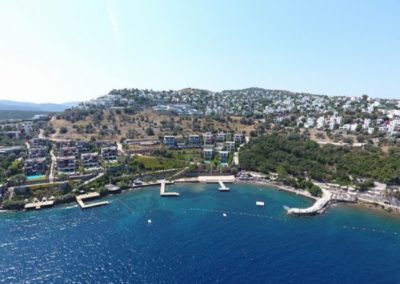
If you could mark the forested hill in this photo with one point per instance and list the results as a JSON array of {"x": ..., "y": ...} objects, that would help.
[{"x": 294, "y": 155}]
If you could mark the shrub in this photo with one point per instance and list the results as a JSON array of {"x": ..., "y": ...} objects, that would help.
[
  {"x": 315, "y": 191},
  {"x": 13, "y": 204}
]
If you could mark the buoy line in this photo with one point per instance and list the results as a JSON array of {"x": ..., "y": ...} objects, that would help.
[
  {"x": 226, "y": 213},
  {"x": 370, "y": 230},
  {"x": 126, "y": 206},
  {"x": 247, "y": 214}
]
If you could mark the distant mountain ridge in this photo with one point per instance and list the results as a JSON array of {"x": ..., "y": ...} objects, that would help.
[{"x": 39, "y": 107}]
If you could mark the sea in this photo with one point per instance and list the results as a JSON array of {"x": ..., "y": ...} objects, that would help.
[{"x": 202, "y": 236}]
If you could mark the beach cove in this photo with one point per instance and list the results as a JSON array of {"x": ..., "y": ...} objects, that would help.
[{"x": 190, "y": 240}]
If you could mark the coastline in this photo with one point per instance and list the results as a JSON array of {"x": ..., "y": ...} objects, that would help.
[
  {"x": 202, "y": 179},
  {"x": 114, "y": 227},
  {"x": 376, "y": 206},
  {"x": 270, "y": 184}
]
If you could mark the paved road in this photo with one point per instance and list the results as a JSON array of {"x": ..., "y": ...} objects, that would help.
[
  {"x": 121, "y": 149},
  {"x": 52, "y": 166}
]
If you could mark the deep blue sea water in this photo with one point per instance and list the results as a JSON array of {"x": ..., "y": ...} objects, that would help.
[{"x": 190, "y": 241}]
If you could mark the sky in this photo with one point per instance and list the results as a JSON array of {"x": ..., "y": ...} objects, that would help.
[{"x": 74, "y": 50}]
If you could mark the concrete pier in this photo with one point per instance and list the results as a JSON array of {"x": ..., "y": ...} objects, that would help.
[
  {"x": 222, "y": 186},
  {"x": 38, "y": 205},
  {"x": 163, "y": 192},
  {"x": 207, "y": 179},
  {"x": 316, "y": 208},
  {"x": 91, "y": 195}
]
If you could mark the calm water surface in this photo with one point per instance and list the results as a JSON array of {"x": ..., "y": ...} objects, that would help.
[{"x": 190, "y": 241}]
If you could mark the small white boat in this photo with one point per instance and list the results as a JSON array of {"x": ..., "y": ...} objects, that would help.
[
  {"x": 149, "y": 221},
  {"x": 113, "y": 188},
  {"x": 260, "y": 203},
  {"x": 224, "y": 214}
]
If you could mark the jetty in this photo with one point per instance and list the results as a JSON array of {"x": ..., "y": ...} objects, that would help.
[
  {"x": 164, "y": 193},
  {"x": 39, "y": 205},
  {"x": 207, "y": 179},
  {"x": 88, "y": 196},
  {"x": 222, "y": 186},
  {"x": 316, "y": 208}
]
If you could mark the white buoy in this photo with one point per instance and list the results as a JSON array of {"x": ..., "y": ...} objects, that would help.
[
  {"x": 149, "y": 221},
  {"x": 224, "y": 214}
]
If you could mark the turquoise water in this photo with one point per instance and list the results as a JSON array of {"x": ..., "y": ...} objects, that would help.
[
  {"x": 35, "y": 177},
  {"x": 190, "y": 241}
]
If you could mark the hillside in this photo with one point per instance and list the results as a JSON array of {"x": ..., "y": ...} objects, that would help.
[
  {"x": 33, "y": 107},
  {"x": 117, "y": 124},
  {"x": 297, "y": 156},
  {"x": 135, "y": 113}
]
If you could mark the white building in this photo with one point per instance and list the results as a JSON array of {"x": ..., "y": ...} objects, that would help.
[{"x": 320, "y": 122}]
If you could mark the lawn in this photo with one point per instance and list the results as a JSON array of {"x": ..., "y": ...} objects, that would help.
[
  {"x": 158, "y": 163},
  {"x": 190, "y": 155}
]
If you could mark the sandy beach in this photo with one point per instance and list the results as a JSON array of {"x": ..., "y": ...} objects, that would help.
[{"x": 278, "y": 187}]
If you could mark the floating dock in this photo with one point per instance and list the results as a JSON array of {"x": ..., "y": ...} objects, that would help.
[
  {"x": 260, "y": 203},
  {"x": 91, "y": 195},
  {"x": 222, "y": 186},
  {"x": 164, "y": 193},
  {"x": 38, "y": 205}
]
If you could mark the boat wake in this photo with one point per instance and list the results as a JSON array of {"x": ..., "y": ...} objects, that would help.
[{"x": 70, "y": 207}]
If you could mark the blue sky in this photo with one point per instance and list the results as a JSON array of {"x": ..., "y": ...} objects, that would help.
[{"x": 56, "y": 51}]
